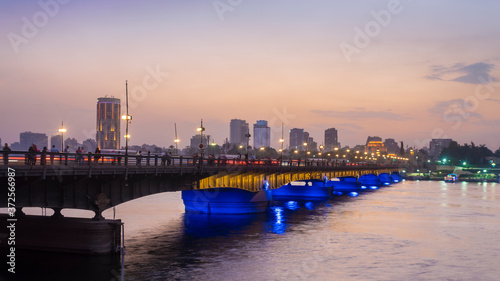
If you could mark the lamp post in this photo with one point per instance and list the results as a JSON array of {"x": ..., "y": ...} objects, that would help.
[
  {"x": 321, "y": 147},
  {"x": 281, "y": 150},
  {"x": 201, "y": 129},
  {"x": 282, "y": 140},
  {"x": 247, "y": 135},
  {"x": 176, "y": 141},
  {"x": 62, "y": 131},
  {"x": 127, "y": 119}
]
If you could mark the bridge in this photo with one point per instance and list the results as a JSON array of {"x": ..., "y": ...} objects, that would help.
[
  {"x": 98, "y": 182},
  {"x": 76, "y": 181}
]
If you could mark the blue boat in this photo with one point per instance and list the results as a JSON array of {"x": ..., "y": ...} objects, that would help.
[
  {"x": 226, "y": 200},
  {"x": 345, "y": 185},
  {"x": 369, "y": 181},
  {"x": 303, "y": 189},
  {"x": 385, "y": 179},
  {"x": 396, "y": 177}
]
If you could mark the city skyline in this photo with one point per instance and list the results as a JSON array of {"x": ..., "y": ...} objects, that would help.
[{"x": 423, "y": 71}]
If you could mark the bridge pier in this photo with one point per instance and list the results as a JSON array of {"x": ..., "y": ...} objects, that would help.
[{"x": 67, "y": 235}]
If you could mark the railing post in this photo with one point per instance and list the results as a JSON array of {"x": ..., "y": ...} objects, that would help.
[
  {"x": 89, "y": 158},
  {"x": 156, "y": 160},
  {"x": 180, "y": 161}
]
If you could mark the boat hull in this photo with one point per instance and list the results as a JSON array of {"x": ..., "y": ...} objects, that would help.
[
  {"x": 312, "y": 189},
  {"x": 226, "y": 201}
]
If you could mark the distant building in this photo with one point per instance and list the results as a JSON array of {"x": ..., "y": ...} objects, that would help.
[
  {"x": 195, "y": 141},
  {"x": 237, "y": 131},
  {"x": 26, "y": 139},
  {"x": 369, "y": 139},
  {"x": 375, "y": 147},
  {"x": 311, "y": 144},
  {"x": 331, "y": 139},
  {"x": 392, "y": 146},
  {"x": 261, "y": 134},
  {"x": 56, "y": 140},
  {"x": 297, "y": 138},
  {"x": 108, "y": 123},
  {"x": 89, "y": 144},
  {"x": 436, "y": 146},
  {"x": 73, "y": 145},
  {"x": 17, "y": 146}
]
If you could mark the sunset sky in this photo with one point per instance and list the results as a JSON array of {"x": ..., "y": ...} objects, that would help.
[{"x": 408, "y": 70}]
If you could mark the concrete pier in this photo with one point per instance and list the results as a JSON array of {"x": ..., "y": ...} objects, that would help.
[{"x": 68, "y": 235}]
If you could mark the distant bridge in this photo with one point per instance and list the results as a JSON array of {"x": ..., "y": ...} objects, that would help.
[{"x": 70, "y": 180}]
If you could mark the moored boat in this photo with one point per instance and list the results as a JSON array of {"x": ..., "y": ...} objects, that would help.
[
  {"x": 302, "y": 189},
  {"x": 396, "y": 177},
  {"x": 385, "y": 179},
  {"x": 451, "y": 177},
  {"x": 345, "y": 185},
  {"x": 369, "y": 181},
  {"x": 226, "y": 200}
]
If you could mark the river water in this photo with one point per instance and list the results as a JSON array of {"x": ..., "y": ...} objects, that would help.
[{"x": 414, "y": 230}]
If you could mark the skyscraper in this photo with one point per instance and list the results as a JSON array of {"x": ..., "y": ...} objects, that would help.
[
  {"x": 261, "y": 134},
  {"x": 297, "y": 138},
  {"x": 237, "y": 131},
  {"x": 26, "y": 139},
  {"x": 437, "y": 145},
  {"x": 56, "y": 140},
  {"x": 331, "y": 139},
  {"x": 108, "y": 123}
]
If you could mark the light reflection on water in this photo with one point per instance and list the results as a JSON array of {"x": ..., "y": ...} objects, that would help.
[{"x": 409, "y": 231}]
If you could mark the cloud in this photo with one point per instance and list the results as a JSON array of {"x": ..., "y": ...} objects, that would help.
[
  {"x": 477, "y": 73},
  {"x": 456, "y": 107},
  {"x": 361, "y": 114},
  {"x": 495, "y": 100}
]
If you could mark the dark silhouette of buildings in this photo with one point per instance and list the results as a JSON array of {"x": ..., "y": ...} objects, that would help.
[
  {"x": 297, "y": 139},
  {"x": 237, "y": 130},
  {"x": 26, "y": 139},
  {"x": 331, "y": 139},
  {"x": 436, "y": 146}
]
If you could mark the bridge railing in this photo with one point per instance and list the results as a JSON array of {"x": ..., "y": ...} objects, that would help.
[{"x": 27, "y": 158}]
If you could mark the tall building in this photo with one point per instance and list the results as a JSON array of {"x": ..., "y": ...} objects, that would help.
[
  {"x": 331, "y": 139},
  {"x": 261, "y": 134},
  {"x": 108, "y": 123},
  {"x": 392, "y": 146},
  {"x": 56, "y": 140},
  {"x": 437, "y": 145},
  {"x": 195, "y": 141},
  {"x": 297, "y": 138},
  {"x": 26, "y": 139},
  {"x": 237, "y": 131}
]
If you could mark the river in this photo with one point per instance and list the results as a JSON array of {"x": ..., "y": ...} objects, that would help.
[{"x": 414, "y": 230}]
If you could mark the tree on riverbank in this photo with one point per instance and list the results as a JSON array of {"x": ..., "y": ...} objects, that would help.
[{"x": 471, "y": 154}]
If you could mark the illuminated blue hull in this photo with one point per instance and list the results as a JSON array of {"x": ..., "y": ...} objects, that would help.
[
  {"x": 225, "y": 201},
  {"x": 345, "y": 185},
  {"x": 303, "y": 189},
  {"x": 396, "y": 177},
  {"x": 385, "y": 179},
  {"x": 369, "y": 181}
]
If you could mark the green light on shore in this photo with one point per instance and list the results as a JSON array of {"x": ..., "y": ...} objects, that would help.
[{"x": 464, "y": 163}]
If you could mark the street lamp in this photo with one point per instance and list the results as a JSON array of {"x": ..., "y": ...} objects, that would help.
[
  {"x": 201, "y": 129},
  {"x": 176, "y": 141},
  {"x": 282, "y": 140},
  {"x": 62, "y": 131},
  {"x": 247, "y": 135},
  {"x": 127, "y": 119}
]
